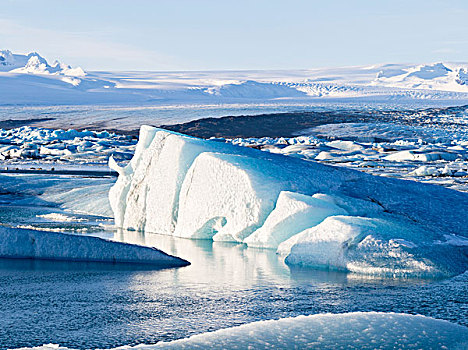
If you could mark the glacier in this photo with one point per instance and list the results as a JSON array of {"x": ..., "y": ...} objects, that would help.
[
  {"x": 16, "y": 243},
  {"x": 355, "y": 330},
  {"x": 28, "y": 79},
  {"x": 316, "y": 215}
]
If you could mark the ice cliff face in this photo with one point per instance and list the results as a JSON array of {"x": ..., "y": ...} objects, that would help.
[{"x": 316, "y": 215}]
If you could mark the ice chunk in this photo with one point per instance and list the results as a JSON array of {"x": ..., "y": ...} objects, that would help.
[
  {"x": 425, "y": 171},
  {"x": 146, "y": 195},
  {"x": 349, "y": 146},
  {"x": 373, "y": 246},
  {"x": 421, "y": 156},
  {"x": 356, "y": 330},
  {"x": 294, "y": 212},
  {"x": 29, "y": 244}
]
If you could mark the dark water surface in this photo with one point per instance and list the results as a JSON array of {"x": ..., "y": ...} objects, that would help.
[{"x": 83, "y": 305}]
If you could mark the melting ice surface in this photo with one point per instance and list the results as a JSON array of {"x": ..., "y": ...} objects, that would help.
[{"x": 315, "y": 215}]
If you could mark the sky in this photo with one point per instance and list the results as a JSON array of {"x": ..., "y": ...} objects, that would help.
[{"x": 242, "y": 34}]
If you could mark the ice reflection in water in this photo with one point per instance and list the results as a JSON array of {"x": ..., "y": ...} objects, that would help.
[{"x": 96, "y": 305}]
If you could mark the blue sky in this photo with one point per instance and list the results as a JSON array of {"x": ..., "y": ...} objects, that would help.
[{"x": 210, "y": 35}]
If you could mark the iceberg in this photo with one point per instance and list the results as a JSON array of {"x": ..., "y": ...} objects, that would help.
[
  {"x": 18, "y": 243},
  {"x": 316, "y": 215},
  {"x": 356, "y": 330}
]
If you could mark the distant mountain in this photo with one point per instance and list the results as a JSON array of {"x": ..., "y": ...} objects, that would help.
[
  {"x": 30, "y": 79},
  {"x": 436, "y": 76},
  {"x": 33, "y": 63}
]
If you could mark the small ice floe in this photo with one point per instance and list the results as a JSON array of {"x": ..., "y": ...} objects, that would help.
[
  {"x": 425, "y": 170},
  {"x": 18, "y": 243},
  {"x": 421, "y": 156}
]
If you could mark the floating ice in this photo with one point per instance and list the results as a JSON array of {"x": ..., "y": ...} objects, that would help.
[
  {"x": 357, "y": 330},
  {"x": 192, "y": 188},
  {"x": 417, "y": 155},
  {"x": 62, "y": 146},
  {"x": 388, "y": 149},
  {"x": 29, "y": 244},
  {"x": 372, "y": 246}
]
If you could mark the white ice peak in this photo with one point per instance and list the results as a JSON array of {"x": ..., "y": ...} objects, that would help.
[{"x": 33, "y": 63}]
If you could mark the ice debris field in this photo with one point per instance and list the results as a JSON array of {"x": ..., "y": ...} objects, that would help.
[
  {"x": 358, "y": 330},
  {"x": 426, "y": 145},
  {"x": 48, "y": 146},
  {"x": 313, "y": 214},
  {"x": 363, "y": 147}
]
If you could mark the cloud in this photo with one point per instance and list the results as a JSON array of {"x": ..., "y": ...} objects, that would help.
[{"x": 89, "y": 50}]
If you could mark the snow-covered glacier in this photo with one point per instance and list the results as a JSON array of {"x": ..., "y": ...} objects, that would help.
[
  {"x": 28, "y": 79},
  {"x": 316, "y": 215}
]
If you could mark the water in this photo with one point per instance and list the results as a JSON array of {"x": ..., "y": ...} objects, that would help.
[{"x": 83, "y": 305}]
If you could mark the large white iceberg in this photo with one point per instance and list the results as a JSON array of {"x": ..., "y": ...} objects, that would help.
[
  {"x": 29, "y": 244},
  {"x": 357, "y": 330},
  {"x": 318, "y": 215}
]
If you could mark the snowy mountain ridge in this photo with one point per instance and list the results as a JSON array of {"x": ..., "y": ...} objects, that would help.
[
  {"x": 436, "y": 76},
  {"x": 34, "y": 63},
  {"x": 30, "y": 79}
]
